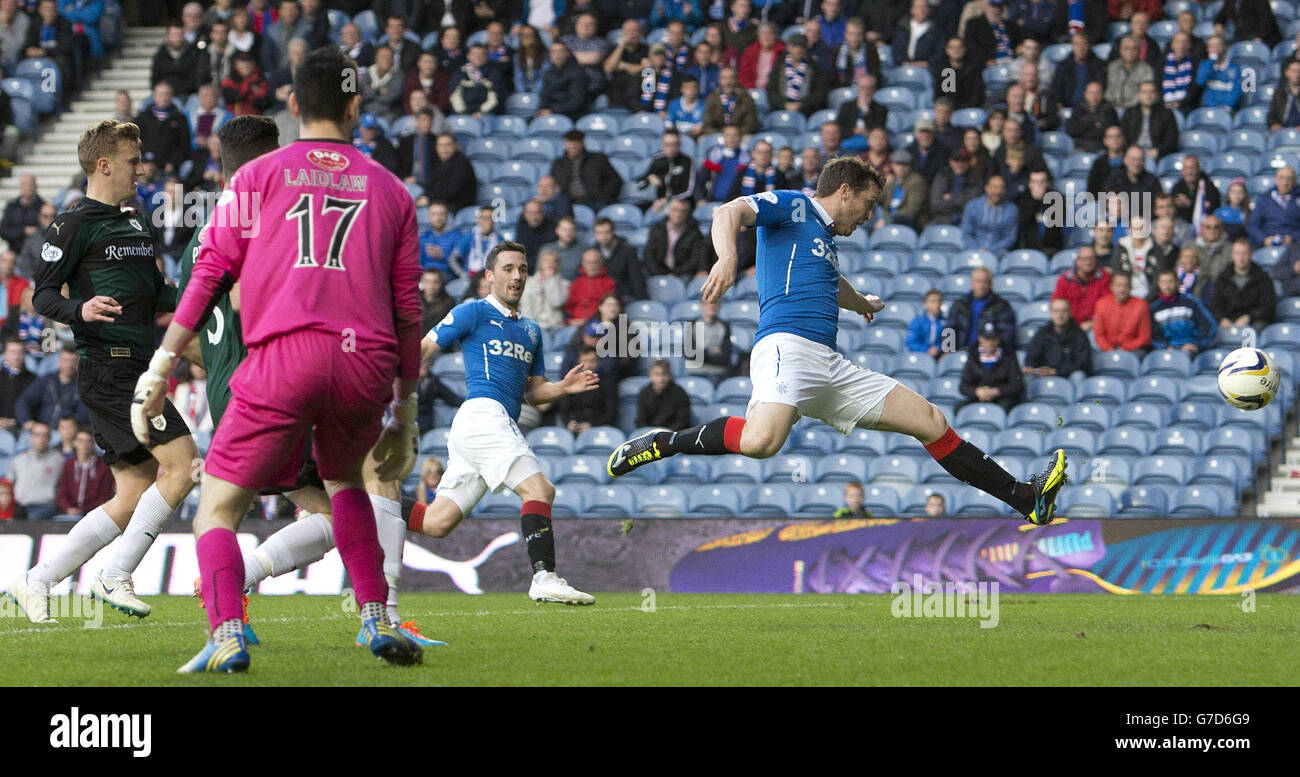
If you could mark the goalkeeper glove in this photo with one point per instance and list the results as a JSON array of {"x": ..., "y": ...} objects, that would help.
[
  {"x": 150, "y": 393},
  {"x": 396, "y": 450}
]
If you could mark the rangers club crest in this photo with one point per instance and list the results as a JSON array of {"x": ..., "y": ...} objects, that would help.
[
  {"x": 135, "y": 225},
  {"x": 532, "y": 336},
  {"x": 328, "y": 160}
]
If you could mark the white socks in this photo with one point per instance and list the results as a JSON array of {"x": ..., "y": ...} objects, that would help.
[
  {"x": 392, "y": 540},
  {"x": 293, "y": 547},
  {"x": 88, "y": 537},
  {"x": 151, "y": 514}
]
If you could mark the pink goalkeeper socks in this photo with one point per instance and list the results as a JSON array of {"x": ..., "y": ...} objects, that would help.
[
  {"x": 221, "y": 567},
  {"x": 357, "y": 540}
]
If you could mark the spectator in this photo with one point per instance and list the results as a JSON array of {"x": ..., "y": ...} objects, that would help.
[
  {"x": 206, "y": 117},
  {"x": 51, "y": 397},
  {"x": 589, "y": 50},
  {"x": 382, "y": 86},
  {"x": 1121, "y": 321},
  {"x": 798, "y": 83},
  {"x": 686, "y": 113},
  {"x": 478, "y": 91},
  {"x": 1179, "y": 321},
  {"x": 14, "y": 380},
  {"x": 1284, "y": 110},
  {"x": 9, "y": 509},
  {"x": 50, "y": 36},
  {"x": 479, "y": 242},
  {"x": 244, "y": 38},
  {"x": 1013, "y": 139},
  {"x": 313, "y": 23},
  {"x": 597, "y": 407},
  {"x": 431, "y": 390},
  {"x": 969, "y": 313},
  {"x": 546, "y": 293},
  {"x": 276, "y": 37},
  {"x": 425, "y": 77},
  {"x": 449, "y": 51},
  {"x": 1037, "y": 229},
  {"x": 1179, "y": 92},
  {"x": 928, "y": 156},
  {"x": 435, "y": 302},
  {"x": 1235, "y": 211},
  {"x": 671, "y": 173},
  {"x": 534, "y": 229},
  {"x": 1251, "y": 19},
  {"x": 1218, "y": 77},
  {"x": 1213, "y": 249},
  {"x": 620, "y": 261},
  {"x": 945, "y": 134},
  {"x": 952, "y": 189},
  {"x": 566, "y": 246},
  {"x": 854, "y": 497},
  {"x": 909, "y": 201},
  {"x": 416, "y": 151},
  {"x": 1126, "y": 74},
  {"x": 759, "y": 174},
  {"x": 989, "y": 223},
  {"x": 1109, "y": 163},
  {"x": 163, "y": 131},
  {"x": 957, "y": 77},
  {"x": 451, "y": 175},
  {"x": 1082, "y": 286},
  {"x": 1148, "y": 48},
  {"x": 936, "y": 506},
  {"x": 179, "y": 63},
  {"x": 373, "y": 144},
  {"x": 1149, "y": 125},
  {"x": 1275, "y": 219},
  {"x": 440, "y": 243},
  {"x": 1092, "y": 117},
  {"x": 662, "y": 402},
  {"x": 1075, "y": 72},
  {"x": 564, "y": 85},
  {"x": 1286, "y": 271},
  {"x": 730, "y": 106},
  {"x": 992, "y": 372},
  {"x": 1134, "y": 256},
  {"x": 1195, "y": 195},
  {"x": 1133, "y": 178},
  {"x": 1060, "y": 348},
  {"x": 36, "y": 474},
  {"x": 987, "y": 37},
  {"x": 588, "y": 288},
  {"x": 608, "y": 320},
  {"x": 67, "y": 433},
  {"x": 724, "y": 164},
  {"x": 14, "y": 26},
  {"x": 430, "y": 478},
  {"x": 529, "y": 62},
  {"x": 704, "y": 71},
  {"x": 810, "y": 165},
  {"x": 925, "y": 332},
  {"x": 675, "y": 245},
  {"x": 856, "y": 118},
  {"x": 12, "y": 289},
  {"x": 1033, "y": 19},
  {"x": 586, "y": 177},
  {"x": 554, "y": 202},
  {"x": 29, "y": 258},
  {"x": 856, "y": 57},
  {"x": 216, "y": 52},
  {"x": 21, "y": 215},
  {"x": 1243, "y": 294},
  {"x": 656, "y": 85},
  {"x": 1164, "y": 250},
  {"x": 1187, "y": 23},
  {"x": 918, "y": 42},
  {"x": 245, "y": 91}
]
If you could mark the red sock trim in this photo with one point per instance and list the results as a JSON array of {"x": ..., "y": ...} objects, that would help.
[
  {"x": 731, "y": 433},
  {"x": 536, "y": 508},
  {"x": 944, "y": 445},
  {"x": 416, "y": 520}
]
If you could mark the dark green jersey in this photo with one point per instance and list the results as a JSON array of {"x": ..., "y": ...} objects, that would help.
[
  {"x": 222, "y": 342},
  {"x": 96, "y": 248}
]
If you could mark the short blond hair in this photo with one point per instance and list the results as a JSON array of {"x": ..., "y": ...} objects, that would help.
[{"x": 101, "y": 141}]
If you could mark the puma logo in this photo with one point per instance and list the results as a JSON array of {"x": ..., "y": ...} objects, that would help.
[
  {"x": 699, "y": 438},
  {"x": 496, "y": 323},
  {"x": 463, "y": 573}
]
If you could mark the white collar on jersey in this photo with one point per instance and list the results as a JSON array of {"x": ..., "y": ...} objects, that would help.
[
  {"x": 501, "y": 306},
  {"x": 826, "y": 217}
]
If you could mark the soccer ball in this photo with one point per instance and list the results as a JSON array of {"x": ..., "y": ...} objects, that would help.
[{"x": 1248, "y": 378}]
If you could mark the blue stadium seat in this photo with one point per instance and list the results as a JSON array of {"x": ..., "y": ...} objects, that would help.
[
  {"x": 1216, "y": 470},
  {"x": 552, "y": 125},
  {"x": 1125, "y": 442},
  {"x": 599, "y": 440},
  {"x": 581, "y": 469},
  {"x": 685, "y": 469},
  {"x": 1027, "y": 262},
  {"x": 647, "y": 310},
  {"x": 969, "y": 502},
  {"x": 841, "y": 467},
  {"x": 685, "y": 310},
  {"x": 489, "y": 150},
  {"x": 1203, "y": 387},
  {"x": 1053, "y": 391},
  {"x": 598, "y": 126},
  {"x": 789, "y": 122},
  {"x": 1144, "y": 501},
  {"x": 734, "y": 468},
  {"x": 718, "y": 501},
  {"x": 818, "y": 500},
  {"x": 982, "y": 415},
  {"x": 700, "y": 390},
  {"x": 538, "y": 150},
  {"x": 1283, "y": 335},
  {"x": 1203, "y": 500},
  {"x": 551, "y": 441},
  {"x": 894, "y": 469},
  {"x": 883, "y": 341},
  {"x": 498, "y": 506},
  {"x": 1078, "y": 443},
  {"x": 1116, "y": 364},
  {"x": 881, "y": 264},
  {"x": 788, "y": 469},
  {"x": 1016, "y": 289},
  {"x": 897, "y": 98},
  {"x": 1044, "y": 288},
  {"x": 666, "y": 289},
  {"x": 1105, "y": 471},
  {"x": 630, "y": 387},
  {"x": 661, "y": 501},
  {"x": 767, "y": 500},
  {"x": 1157, "y": 470},
  {"x": 1108, "y": 391},
  {"x": 570, "y": 502},
  {"x": 864, "y": 442},
  {"x": 610, "y": 502},
  {"x": 1173, "y": 364},
  {"x": 1177, "y": 441},
  {"x": 914, "y": 365},
  {"x": 969, "y": 117},
  {"x": 1158, "y": 389},
  {"x": 881, "y": 501},
  {"x": 1190, "y": 413},
  {"x": 953, "y": 363},
  {"x": 815, "y": 440},
  {"x": 1144, "y": 414},
  {"x": 893, "y": 237},
  {"x": 1089, "y": 416},
  {"x": 941, "y": 236},
  {"x": 1020, "y": 442},
  {"x": 450, "y": 365},
  {"x": 910, "y": 287},
  {"x": 432, "y": 443},
  {"x": 740, "y": 311},
  {"x": 735, "y": 390},
  {"x": 1246, "y": 141},
  {"x": 1234, "y": 439},
  {"x": 1057, "y": 144},
  {"x": 1086, "y": 501},
  {"x": 930, "y": 471},
  {"x": 932, "y": 264}
]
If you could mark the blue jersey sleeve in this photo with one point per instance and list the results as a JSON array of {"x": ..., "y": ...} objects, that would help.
[
  {"x": 779, "y": 208},
  {"x": 459, "y": 323},
  {"x": 538, "y": 367}
]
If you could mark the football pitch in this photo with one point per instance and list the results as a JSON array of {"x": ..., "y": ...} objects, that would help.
[{"x": 695, "y": 639}]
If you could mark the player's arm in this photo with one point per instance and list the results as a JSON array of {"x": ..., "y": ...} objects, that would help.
[
  {"x": 728, "y": 220},
  {"x": 194, "y": 354},
  {"x": 541, "y": 391},
  {"x": 429, "y": 350},
  {"x": 61, "y": 254},
  {"x": 851, "y": 299}
]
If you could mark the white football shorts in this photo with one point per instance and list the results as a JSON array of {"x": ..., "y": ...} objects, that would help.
[
  {"x": 819, "y": 382},
  {"x": 485, "y": 452}
]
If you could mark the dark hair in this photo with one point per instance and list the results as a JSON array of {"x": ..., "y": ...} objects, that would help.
[
  {"x": 586, "y": 349},
  {"x": 931, "y": 293},
  {"x": 319, "y": 85},
  {"x": 1122, "y": 274},
  {"x": 662, "y": 364},
  {"x": 604, "y": 220},
  {"x": 244, "y": 138},
  {"x": 502, "y": 248},
  {"x": 685, "y": 78},
  {"x": 848, "y": 170}
]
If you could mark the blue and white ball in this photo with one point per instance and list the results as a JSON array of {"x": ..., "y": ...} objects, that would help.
[{"x": 1248, "y": 378}]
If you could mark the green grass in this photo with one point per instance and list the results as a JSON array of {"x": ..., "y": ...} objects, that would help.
[{"x": 696, "y": 639}]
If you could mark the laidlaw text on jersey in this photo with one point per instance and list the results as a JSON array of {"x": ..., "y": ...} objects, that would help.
[{"x": 103, "y": 731}]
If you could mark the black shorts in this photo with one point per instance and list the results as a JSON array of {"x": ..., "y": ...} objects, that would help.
[
  {"x": 307, "y": 473},
  {"x": 106, "y": 389}
]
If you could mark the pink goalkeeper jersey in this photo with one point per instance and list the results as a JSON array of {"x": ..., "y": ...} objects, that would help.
[{"x": 320, "y": 238}]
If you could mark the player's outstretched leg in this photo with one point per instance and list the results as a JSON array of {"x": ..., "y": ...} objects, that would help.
[
  {"x": 221, "y": 570},
  {"x": 539, "y": 536},
  {"x": 907, "y": 412},
  {"x": 715, "y": 438}
]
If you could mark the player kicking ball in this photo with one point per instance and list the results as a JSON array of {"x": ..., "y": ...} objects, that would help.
[
  {"x": 219, "y": 350},
  {"x": 794, "y": 366},
  {"x": 485, "y": 450},
  {"x": 331, "y": 314},
  {"x": 104, "y": 254}
]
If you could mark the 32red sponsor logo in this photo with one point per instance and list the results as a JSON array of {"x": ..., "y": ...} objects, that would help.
[{"x": 325, "y": 159}]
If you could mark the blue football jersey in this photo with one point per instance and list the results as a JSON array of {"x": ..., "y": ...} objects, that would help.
[
  {"x": 798, "y": 267},
  {"x": 501, "y": 352}
]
